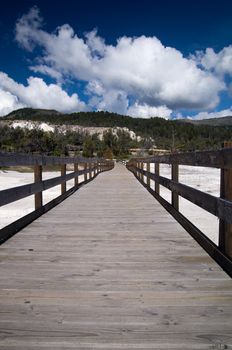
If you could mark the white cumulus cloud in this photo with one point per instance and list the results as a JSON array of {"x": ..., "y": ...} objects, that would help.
[
  {"x": 220, "y": 63},
  {"x": 146, "y": 111},
  {"x": 8, "y": 102},
  {"x": 36, "y": 94},
  {"x": 140, "y": 69},
  {"x": 117, "y": 101}
]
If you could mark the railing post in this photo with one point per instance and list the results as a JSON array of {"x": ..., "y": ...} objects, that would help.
[
  {"x": 37, "y": 178},
  {"x": 157, "y": 172},
  {"x": 140, "y": 174},
  {"x": 148, "y": 178},
  {"x": 90, "y": 170},
  {"x": 175, "y": 177},
  {"x": 76, "y": 180},
  {"x": 143, "y": 176},
  {"x": 63, "y": 173},
  {"x": 85, "y": 175},
  {"x": 93, "y": 170},
  {"x": 225, "y": 229}
]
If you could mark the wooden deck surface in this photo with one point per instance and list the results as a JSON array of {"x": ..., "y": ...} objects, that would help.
[{"x": 109, "y": 268}]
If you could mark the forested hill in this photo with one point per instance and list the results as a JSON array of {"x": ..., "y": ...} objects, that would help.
[
  {"x": 166, "y": 133},
  {"x": 80, "y": 118},
  {"x": 103, "y": 118}
]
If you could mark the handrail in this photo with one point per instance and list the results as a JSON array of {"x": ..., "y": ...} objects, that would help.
[
  {"x": 16, "y": 159},
  {"x": 13, "y": 194},
  {"x": 216, "y": 159},
  {"x": 214, "y": 205},
  {"x": 218, "y": 206},
  {"x": 91, "y": 167}
]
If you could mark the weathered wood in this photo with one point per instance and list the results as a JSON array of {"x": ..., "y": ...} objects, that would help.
[
  {"x": 11, "y": 229},
  {"x": 141, "y": 168},
  {"x": 76, "y": 179},
  {"x": 225, "y": 228},
  {"x": 16, "y": 159},
  {"x": 19, "y": 192},
  {"x": 129, "y": 278},
  {"x": 157, "y": 173},
  {"x": 175, "y": 178},
  {"x": 13, "y": 194},
  {"x": 217, "y": 206},
  {"x": 63, "y": 183},
  {"x": 91, "y": 169},
  {"x": 86, "y": 171},
  {"x": 214, "y": 251},
  {"x": 38, "y": 179},
  {"x": 216, "y": 159},
  {"x": 148, "y": 178}
]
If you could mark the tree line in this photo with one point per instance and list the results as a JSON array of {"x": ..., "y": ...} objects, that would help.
[
  {"x": 57, "y": 144},
  {"x": 164, "y": 134}
]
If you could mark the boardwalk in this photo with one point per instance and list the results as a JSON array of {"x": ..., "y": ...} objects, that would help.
[{"x": 109, "y": 268}]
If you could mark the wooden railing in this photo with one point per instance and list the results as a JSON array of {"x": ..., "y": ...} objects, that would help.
[
  {"x": 218, "y": 206},
  {"x": 87, "y": 167}
]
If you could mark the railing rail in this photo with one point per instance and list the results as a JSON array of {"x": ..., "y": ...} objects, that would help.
[
  {"x": 89, "y": 167},
  {"x": 218, "y": 206},
  {"x": 215, "y": 159}
]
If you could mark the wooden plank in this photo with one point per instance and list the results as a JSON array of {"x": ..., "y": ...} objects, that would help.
[
  {"x": 13, "y": 228},
  {"x": 13, "y": 194},
  {"x": 76, "y": 179},
  {"x": 216, "y": 159},
  {"x": 91, "y": 166},
  {"x": 212, "y": 249},
  {"x": 109, "y": 268},
  {"x": 16, "y": 159},
  {"x": 86, "y": 171},
  {"x": 157, "y": 173},
  {"x": 148, "y": 178},
  {"x": 63, "y": 174},
  {"x": 217, "y": 206},
  {"x": 225, "y": 228},
  {"x": 175, "y": 178},
  {"x": 37, "y": 179}
]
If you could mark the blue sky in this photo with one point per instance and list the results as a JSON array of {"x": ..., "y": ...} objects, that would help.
[{"x": 145, "y": 58}]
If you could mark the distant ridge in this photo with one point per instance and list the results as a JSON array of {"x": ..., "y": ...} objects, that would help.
[
  {"x": 223, "y": 121},
  {"x": 31, "y": 112},
  {"x": 101, "y": 118}
]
